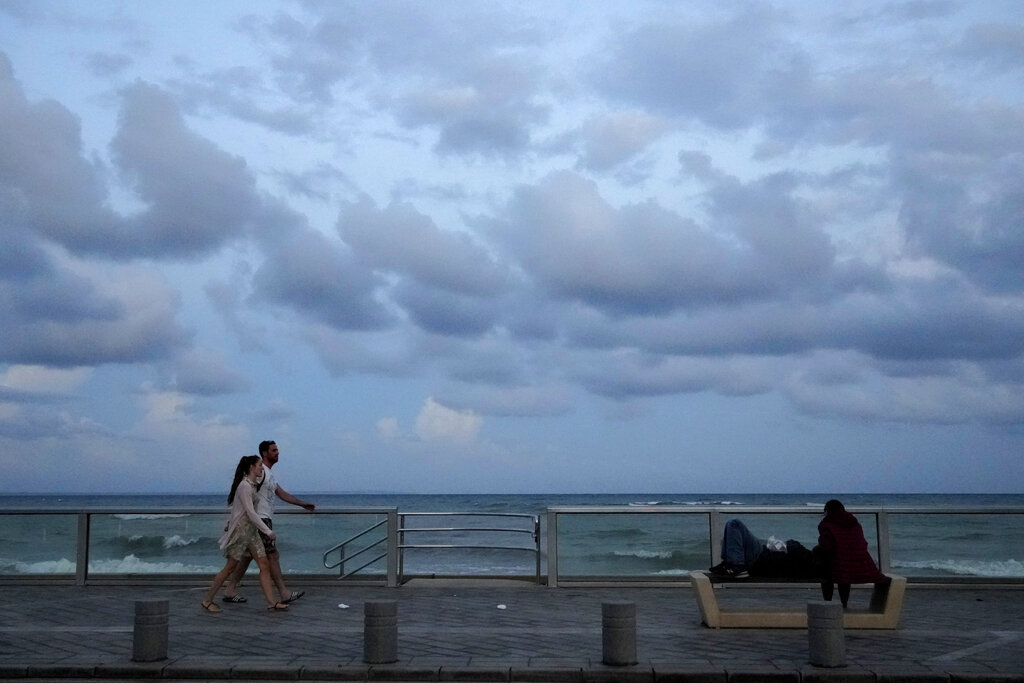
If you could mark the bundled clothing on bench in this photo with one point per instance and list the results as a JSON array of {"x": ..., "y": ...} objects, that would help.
[{"x": 743, "y": 554}]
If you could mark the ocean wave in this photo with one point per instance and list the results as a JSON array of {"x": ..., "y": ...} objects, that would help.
[
  {"x": 177, "y": 541},
  {"x": 129, "y": 564},
  {"x": 139, "y": 515},
  {"x": 645, "y": 554},
  {"x": 708, "y": 502},
  {"x": 690, "y": 503},
  {"x": 147, "y": 545},
  {"x": 983, "y": 568},
  {"x": 672, "y": 572}
]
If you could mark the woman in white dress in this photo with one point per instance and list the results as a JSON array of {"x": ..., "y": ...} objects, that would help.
[{"x": 241, "y": 536}]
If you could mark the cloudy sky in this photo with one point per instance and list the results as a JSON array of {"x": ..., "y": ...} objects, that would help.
[{"x": 513, "y": 247}]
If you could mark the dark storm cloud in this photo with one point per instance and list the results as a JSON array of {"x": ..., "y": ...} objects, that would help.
[
  {"x": 400, "y": 239},
  {"x": 718, "y": 71},
  {"x": 318, "y": 278},
  {"x": 445, "y": 312},
  {"x": 645, "y": 260},
  {"x": 62, "y": 314},
  {"x": 43, "y": 174},
  {"x": 59, "y": 319},
  {"x": 206, "y": 374},
  {"x": 198, "y": 197}
]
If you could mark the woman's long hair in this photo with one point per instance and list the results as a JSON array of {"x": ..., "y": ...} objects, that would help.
[{"x": 244, "y": 465}]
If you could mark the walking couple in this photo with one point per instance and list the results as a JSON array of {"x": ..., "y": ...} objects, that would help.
[{"x": 250, "y": 535}]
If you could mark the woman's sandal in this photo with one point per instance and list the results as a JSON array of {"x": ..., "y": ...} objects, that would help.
[
  {"x": 277, "y": 607},
  {"x": 211, "y": 607}
]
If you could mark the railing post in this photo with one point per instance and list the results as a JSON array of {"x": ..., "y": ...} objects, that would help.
[
  {"x": 394, "y": 571},
  {"x": 82, "y": 551},
  {"x": 552, "y": 548},
  {"x": 715, "y": 532},
  {"x": 884, "y": 551},
  {"x": 536, "y": 544}
]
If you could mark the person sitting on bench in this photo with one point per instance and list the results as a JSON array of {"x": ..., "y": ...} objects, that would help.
[{"x": 843, "y": 552}]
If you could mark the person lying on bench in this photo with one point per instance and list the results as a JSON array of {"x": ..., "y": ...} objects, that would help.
[
  {"x": 743, "y": 554},
  {"x": 843, "y": 552}
]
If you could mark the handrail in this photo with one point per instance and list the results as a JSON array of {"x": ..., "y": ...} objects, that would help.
[
  {"x": 403, "y": 530},
  {"x": 343, "y": 558}
]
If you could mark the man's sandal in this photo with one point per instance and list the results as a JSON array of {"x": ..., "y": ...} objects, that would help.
[
  {"x": 295, "y": 595},
  {"x": 233, "y": 598}
]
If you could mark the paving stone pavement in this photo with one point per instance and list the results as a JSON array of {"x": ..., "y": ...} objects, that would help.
[{"x": 499, "y": 632}]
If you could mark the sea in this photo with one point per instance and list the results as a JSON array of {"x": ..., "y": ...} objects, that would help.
[{"x": 649, "y": 536}]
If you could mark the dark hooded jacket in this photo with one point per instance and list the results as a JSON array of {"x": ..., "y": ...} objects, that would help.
[{"x": 841, "y": 540}]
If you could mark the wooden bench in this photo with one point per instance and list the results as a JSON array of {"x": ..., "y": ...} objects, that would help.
[{"x": 882, "y": 613}]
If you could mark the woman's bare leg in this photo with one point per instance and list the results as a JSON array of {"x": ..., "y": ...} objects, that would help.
[
  {"x": 265, "y": 582},
  {"x": 219, "y": 580}
]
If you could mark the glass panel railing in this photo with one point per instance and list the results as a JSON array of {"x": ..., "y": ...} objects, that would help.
[
  {"x": 978, "y": 545},
  {"x": 35, "y": 544},
  {"x": 614, "y": 542},
  {"x": 139, "y": 542},
  {"x": 631, "y": 545},
  {"x": 154, "y": 543}
]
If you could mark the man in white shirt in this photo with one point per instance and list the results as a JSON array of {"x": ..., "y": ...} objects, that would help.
[{"x": 268, "y": 493}]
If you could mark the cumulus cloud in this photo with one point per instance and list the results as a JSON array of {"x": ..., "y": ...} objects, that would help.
[
  {"x": 437, "y": 422},
  {"x": 387, "y": 428},
  {"x": 41, "y": 379},
  {"x": 529, "y": 211}
]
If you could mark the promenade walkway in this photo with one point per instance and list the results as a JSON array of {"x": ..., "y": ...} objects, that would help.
[{"x": 498, "y": 632}]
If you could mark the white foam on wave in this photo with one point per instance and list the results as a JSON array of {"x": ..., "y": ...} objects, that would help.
[
  {"x": 673, "y": 572},
  {"x": 177, "y": 541},
  {"x": 127, "y": 516},
  {"x": 126, "y": 565},
  {"x": 644, "y": 554},
  {"x": 984, "y": 568}
]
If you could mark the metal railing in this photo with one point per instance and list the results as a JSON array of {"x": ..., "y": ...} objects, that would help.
[
  {"x": 882, "y": 539},
  {"x": 892, "y": 533},
  {"x": 390, "y": 524},
  {"x": 79, "y": 531},
  {"x": 405, "y": 529}
]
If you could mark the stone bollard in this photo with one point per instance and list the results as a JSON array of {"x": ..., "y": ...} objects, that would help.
[
  {"x": 825, "y": 637},
  {"x": 380, "y": 632},
  {"x": 149, "y": 643},
  {"x": 618, "y": 633}
]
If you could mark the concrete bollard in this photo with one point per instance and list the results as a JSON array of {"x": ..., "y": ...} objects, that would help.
[
  {"x": 825, "y": 638},
  {"x": 380, "y": 632},
  {"x": 149, "y": 642},
  {"x": 618, "y": 633}
]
